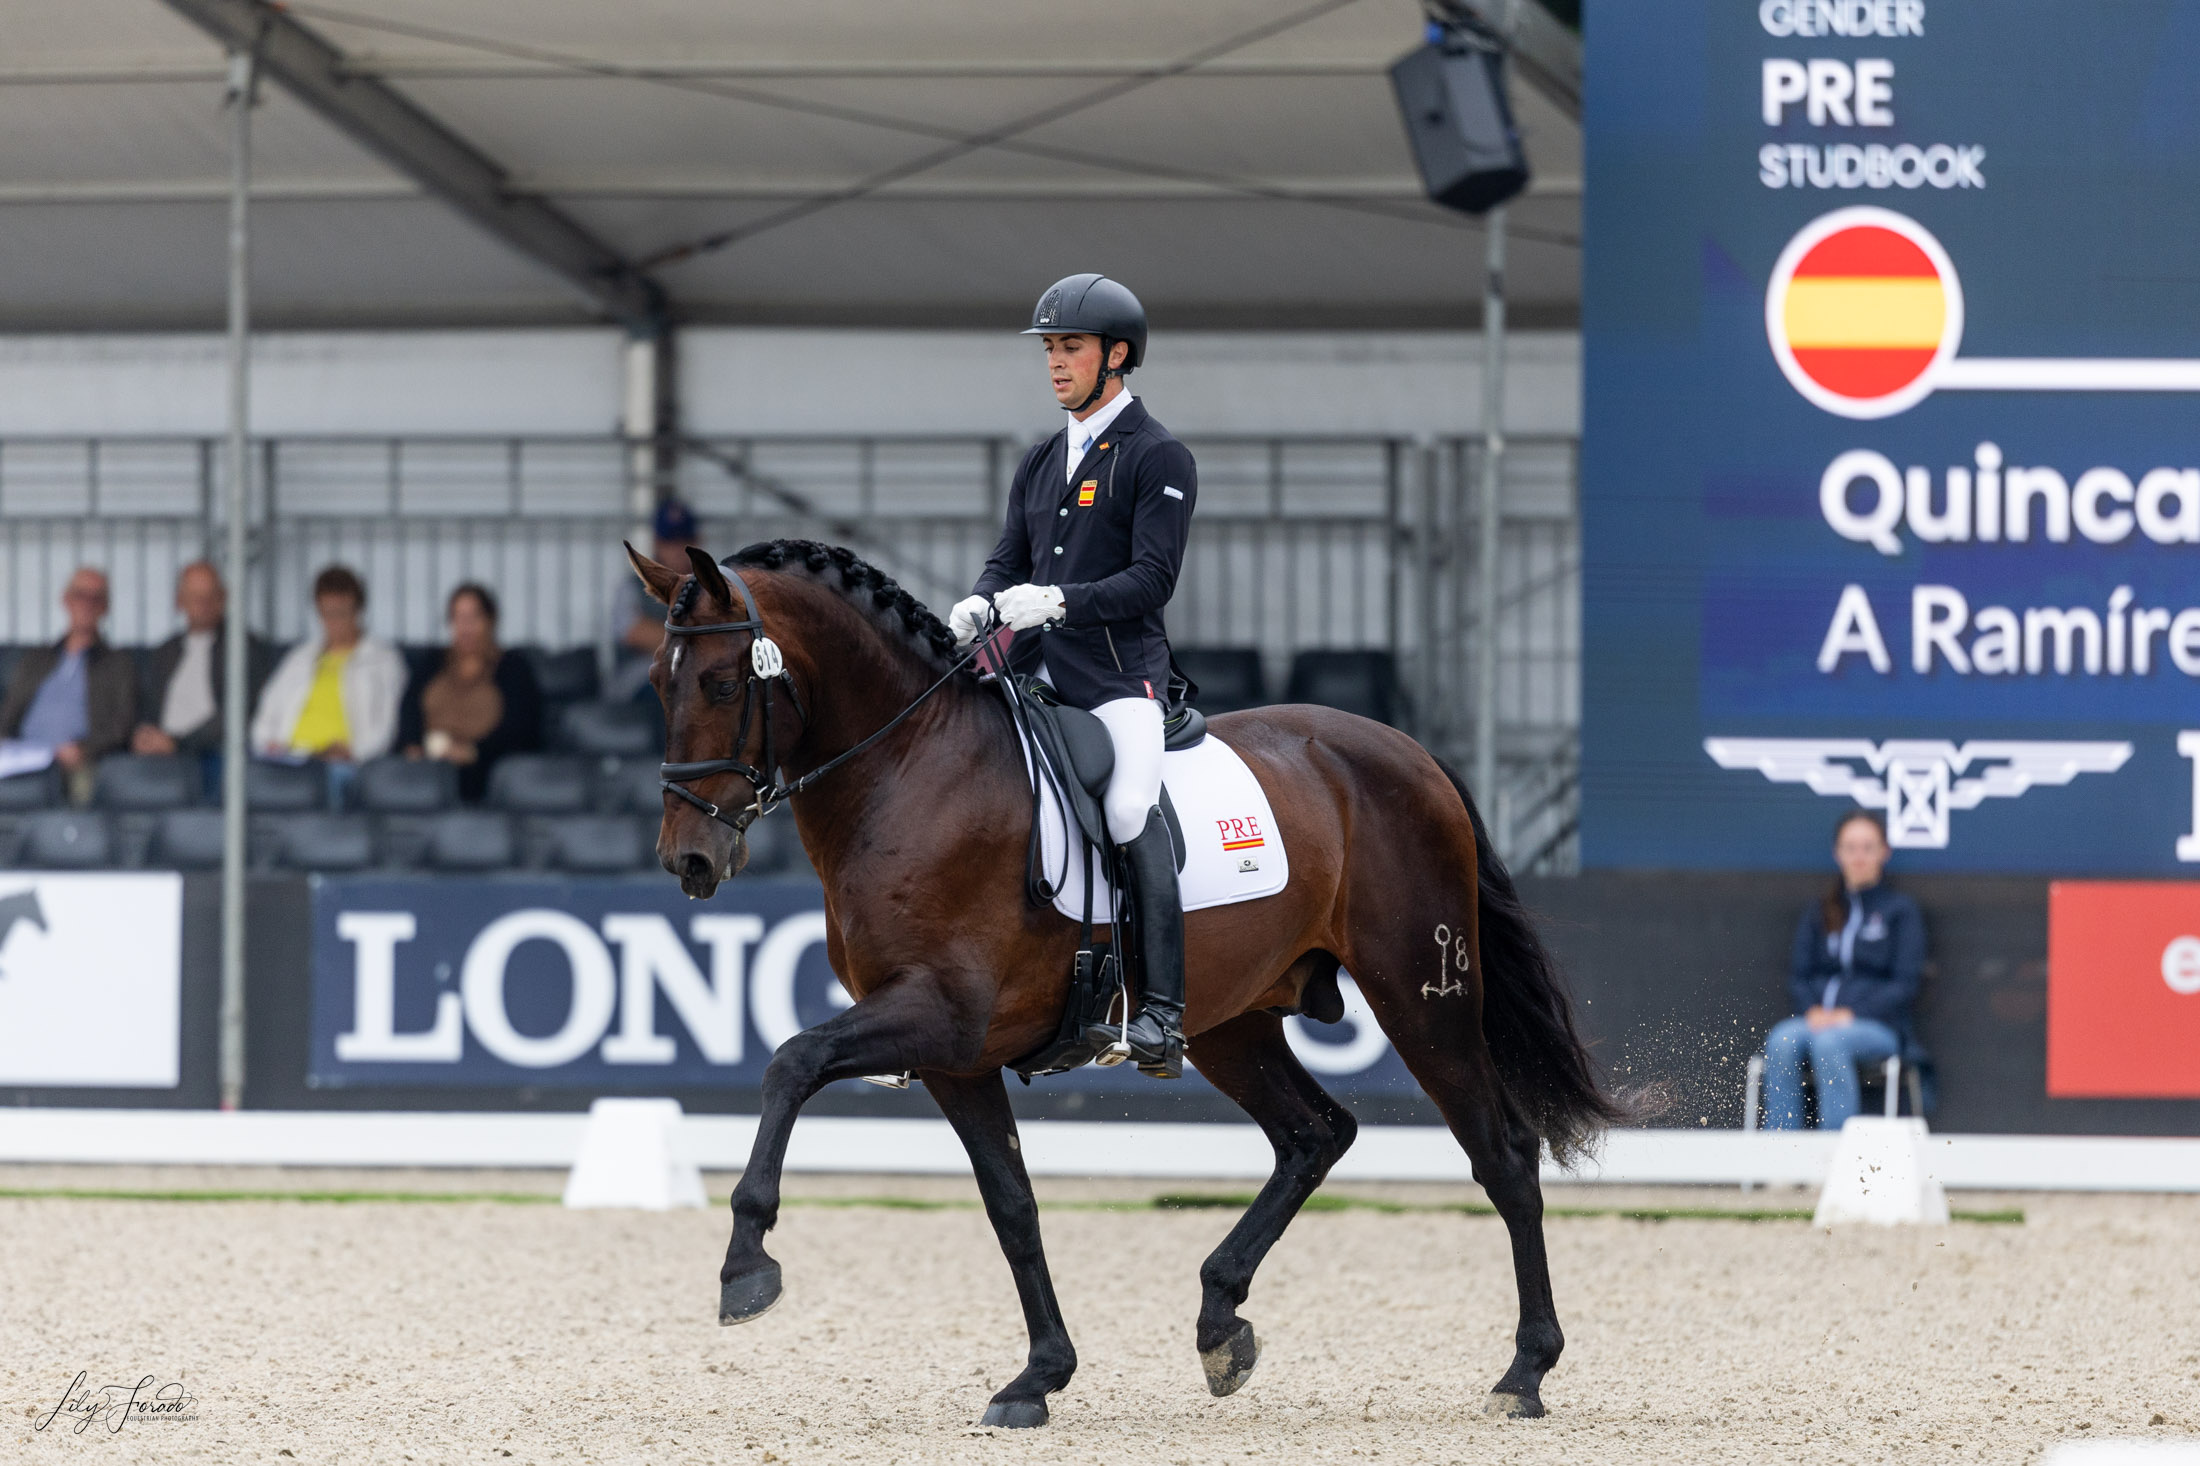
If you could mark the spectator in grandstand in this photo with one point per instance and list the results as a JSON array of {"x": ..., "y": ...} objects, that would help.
[
  {"x": 180, "y": 681},
  {"x": 483, "y": 704},
  {"x": 335, "y": 696},
  {"x": 1852, "y": 976},
  {"x": 639, "y": 622},
  {"x": 74, "y": 701}
]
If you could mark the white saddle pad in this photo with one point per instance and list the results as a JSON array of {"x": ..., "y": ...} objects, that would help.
[{"x": 1232, "y": 851}]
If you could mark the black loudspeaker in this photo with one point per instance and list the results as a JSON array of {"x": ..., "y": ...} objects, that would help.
[{"x": 1452, "y": 93}]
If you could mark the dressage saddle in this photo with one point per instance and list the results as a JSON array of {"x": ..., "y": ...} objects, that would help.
[
  {"x": 1076, "y": 746},
  {"x": 1071, "y": 751}
]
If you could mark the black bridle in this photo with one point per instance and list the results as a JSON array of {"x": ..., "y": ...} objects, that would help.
[{"x": 767, "y": 668}]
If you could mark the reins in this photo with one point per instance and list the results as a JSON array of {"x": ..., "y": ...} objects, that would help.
[{"x": 767, "y": 667}]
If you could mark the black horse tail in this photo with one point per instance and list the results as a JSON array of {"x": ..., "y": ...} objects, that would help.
[{"x": 1528, "y": 1011}]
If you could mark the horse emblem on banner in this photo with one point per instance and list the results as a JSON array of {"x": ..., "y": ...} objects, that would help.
[{"x": 1919, "y": 782}]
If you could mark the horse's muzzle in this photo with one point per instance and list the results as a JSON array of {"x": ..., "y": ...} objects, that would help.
[{"x": 700, "y": 871}]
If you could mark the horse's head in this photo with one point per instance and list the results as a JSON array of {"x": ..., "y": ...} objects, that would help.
[
  {"x": 714, "y": 712},
  {"x": 844, "y": 655}
]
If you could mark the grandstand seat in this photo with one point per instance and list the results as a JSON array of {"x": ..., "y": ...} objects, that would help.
[
  {"x": 24, "y": 793},
  {"x": 279, "y": 787},
  {"x": 67, "y": 839},
  {"x": 186, "y": 839},
  {"x": 1363, "y": 682},
  {"x": 617, "y": 729},
  {"x": 471, "y": 840},
  {"x": 630, "y": 786},
  {"x": 395, "y": 785},
  {"x": 323, "y": 842},
  {"x": 567, "y": 676},
  {"x": 140, "y": 783},
  {"x": 422, "y": 661},
  {"x": 541, "y": 783},
  {"x": 1229, "y": 677},
  {"x": 600, "y": 844}
]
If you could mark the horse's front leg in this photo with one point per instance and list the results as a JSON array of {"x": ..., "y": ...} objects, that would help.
[
  {"x": 978, "y": 1109},
  {"x": 916, "y": 1019}
]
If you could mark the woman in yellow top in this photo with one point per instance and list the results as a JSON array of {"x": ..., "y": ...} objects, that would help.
[
  {"x": 334, "y": 697},
  {"x": 321, "y": 728}
]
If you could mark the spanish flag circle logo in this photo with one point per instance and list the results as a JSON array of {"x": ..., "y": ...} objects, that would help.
[{"x": 1863, "y": 310}]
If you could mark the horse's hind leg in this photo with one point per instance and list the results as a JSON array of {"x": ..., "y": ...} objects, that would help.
[
  {"x": 1507, "y": 1156},
  {"x": 1442, "y": 1044},
  {"x": 1249, "y": 1060},
  {"x": 978, "y": 1109}
]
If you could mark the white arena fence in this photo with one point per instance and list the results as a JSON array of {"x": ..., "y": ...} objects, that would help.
[
  {"x": 1364, "y": 544},
  {"x": 1162, "y": 1150}
]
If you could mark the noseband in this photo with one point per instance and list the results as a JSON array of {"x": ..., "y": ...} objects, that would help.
[{"x": 767, "y": 667}]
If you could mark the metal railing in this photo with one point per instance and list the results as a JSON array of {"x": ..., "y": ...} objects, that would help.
[{"x": 1362, "y": 543}]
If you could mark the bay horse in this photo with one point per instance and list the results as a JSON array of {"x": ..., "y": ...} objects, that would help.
[{"x": 916, "y": 823}]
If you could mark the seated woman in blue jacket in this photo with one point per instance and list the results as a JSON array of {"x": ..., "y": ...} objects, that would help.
[{"x": 1853, "y": 978}]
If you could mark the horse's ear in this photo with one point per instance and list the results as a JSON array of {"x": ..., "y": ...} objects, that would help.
[
  {"x": 659, "y": 580},
  {"x": 709, "y": 576}
]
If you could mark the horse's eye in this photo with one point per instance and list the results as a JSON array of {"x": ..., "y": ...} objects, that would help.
[{"x": 725, "y": 690}]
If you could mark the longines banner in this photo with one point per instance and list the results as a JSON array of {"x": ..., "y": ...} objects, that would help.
[
  {"x": 620, "y": 984},
  {"x": 1891, "y": 457}
]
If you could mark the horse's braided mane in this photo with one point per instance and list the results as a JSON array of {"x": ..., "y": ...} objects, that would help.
[
  {"x": 683, "y": 600},
  {"x": 860, "y": 582}
]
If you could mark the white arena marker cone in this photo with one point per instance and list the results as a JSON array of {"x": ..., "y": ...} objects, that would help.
[
  {"x": 632, "y": 1155},
  {"x": 1880, "y": 1174}
]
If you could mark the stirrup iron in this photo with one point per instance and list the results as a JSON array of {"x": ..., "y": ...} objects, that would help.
[{"x": 1115, "y": 1053}]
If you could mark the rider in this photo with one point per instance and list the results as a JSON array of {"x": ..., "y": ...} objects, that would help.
[{"x": 1097, "y": 519}]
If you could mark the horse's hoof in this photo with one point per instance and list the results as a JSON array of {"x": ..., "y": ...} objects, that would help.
[
  {"x": 1513, "y": 1407},
  {"x": 748, "y": 1296},
  {"x": 1015, "y": 1414},
  {"x": 1230, "y": 1363}
]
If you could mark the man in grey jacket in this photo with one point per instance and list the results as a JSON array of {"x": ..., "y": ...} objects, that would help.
[{"x": 180, "y": 681}]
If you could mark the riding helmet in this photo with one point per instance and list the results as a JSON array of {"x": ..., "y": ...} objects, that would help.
[{"x": 1092, "y": 305}]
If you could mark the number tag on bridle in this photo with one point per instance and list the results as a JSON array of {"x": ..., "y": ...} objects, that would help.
[{"x": 764, "y": 657}]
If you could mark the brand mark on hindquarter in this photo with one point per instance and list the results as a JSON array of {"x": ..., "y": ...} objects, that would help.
[{"x": 1451, "y": 960}]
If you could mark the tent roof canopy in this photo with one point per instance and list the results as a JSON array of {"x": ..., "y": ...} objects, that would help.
[{"x": 930, "y": 163}]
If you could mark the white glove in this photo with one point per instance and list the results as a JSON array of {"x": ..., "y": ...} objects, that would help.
[
  {"x": 969, "y": 614},
  {"x": 1026, "y": 606}
]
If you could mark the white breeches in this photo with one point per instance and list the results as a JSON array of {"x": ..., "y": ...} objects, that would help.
[{"x": 1134, "y": 727}]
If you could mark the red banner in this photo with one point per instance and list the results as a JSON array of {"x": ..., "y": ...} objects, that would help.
[{"x": 2123, "y": 989}]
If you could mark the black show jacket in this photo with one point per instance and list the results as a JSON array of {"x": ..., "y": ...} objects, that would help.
[{"x": 1111, "y": 535}]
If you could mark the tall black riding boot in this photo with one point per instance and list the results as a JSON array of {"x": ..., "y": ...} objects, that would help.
[{"x": 1156, "y": 1034}]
